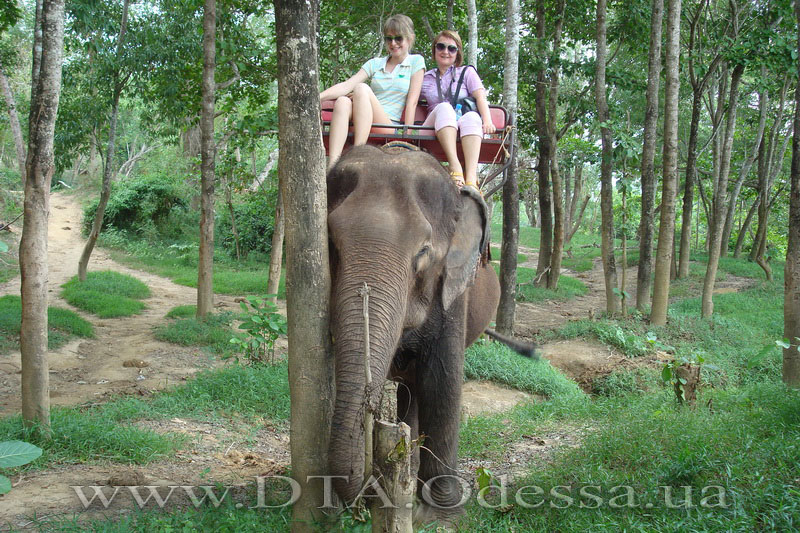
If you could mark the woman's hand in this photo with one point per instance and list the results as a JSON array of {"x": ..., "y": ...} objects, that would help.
[{"x": 488, "y": 126}]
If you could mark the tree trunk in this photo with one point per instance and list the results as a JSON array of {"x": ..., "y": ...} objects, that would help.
[
  {"x": 105, "y": 191},
  {"x": 720, "y": 194},
  {"x": 791, "y": 305},
  {"x": 301, "y": 171},
  {"x": 45, "y": 92},
  {"x": 698, "y": 88},
  {"x": 205, "y": 265},
  {"x": 606, "y": 184},
  {"x": 555, "y": 174},
  {"x": 276, "y": 252},
  {"x": 508, "y": 252},
  {"x": 658, "y": 313},
  {"x": 16, "y": 129},
  {"x": 737, "y": 251},
  {"x": 733, "y": 197},
  {"x": 646, "y": 225},
  {"x": 545, "y": 157},
  {"x": 472, "y": 41}
]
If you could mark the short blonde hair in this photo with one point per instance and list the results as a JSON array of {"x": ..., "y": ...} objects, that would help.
[
  {"x": 400, "y": 25},
  {"x": 450, "y": 34}
]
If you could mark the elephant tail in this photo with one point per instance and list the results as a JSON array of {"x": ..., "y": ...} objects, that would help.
[{"x": 527, "y": 349}]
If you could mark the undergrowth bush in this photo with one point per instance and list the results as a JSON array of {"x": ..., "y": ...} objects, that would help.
[
  {"x": 140, "y": 205},
  {"x": 255, "y": 217}
]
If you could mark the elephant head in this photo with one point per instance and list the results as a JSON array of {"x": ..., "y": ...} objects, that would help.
[{"x": 397, "y": 223}]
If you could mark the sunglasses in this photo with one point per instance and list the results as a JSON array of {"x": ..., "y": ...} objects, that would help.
[
  {"x": 389, "y": 38},
  {"x": 441, "y": 47}
]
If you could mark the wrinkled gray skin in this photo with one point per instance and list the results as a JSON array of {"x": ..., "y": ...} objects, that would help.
[{"x": 398, "y": 223}]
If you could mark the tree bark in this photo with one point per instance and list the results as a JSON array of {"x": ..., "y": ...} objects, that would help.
[
  {"x": 606, "y": 184},
  {"x": 733, "y": 197},
  {"x": 791, "y": 305},
  {"x": 16, "y": 129},
  {"x": 508, "y": 252},
  {"x": 720, "y": 194},
  {"x": 40, "y": 165},
  {"x": 543, "y": 163},
  {"x": 646, "y": 224},
  {"x": 276, "y": 252},
  {"x": 472, "y": 42},
  {"x": 698, "y": 88},
  {"x": 302, "y": 183},
  {"x": 208, "y": 152},
  {"x": 737, "y": 251},
  {"x": 555, "y": 174},
  {"x": 666, "y": 230},
  {"x": 105, "y": 192}
]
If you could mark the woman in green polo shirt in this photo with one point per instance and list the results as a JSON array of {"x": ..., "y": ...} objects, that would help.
[{"x": 394, "y": 84}]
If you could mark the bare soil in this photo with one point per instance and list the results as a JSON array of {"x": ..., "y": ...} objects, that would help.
[{"x": 125, "y": 358}]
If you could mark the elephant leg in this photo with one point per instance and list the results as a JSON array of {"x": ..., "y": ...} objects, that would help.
[{"x": 439, "y": 382}]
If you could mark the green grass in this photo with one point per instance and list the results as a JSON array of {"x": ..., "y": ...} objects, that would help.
[
  {"x": 568, "y": 287},
  {"x": 249, "y": 392},
  {"x": 63, "y": 325},
  {"x": 521, "y": 258},
  {"x": 214, "y": 332},
  {"x": 182, "y": 311},
  {"x": 496, "y": 362},
  {"x": 106, "y": 294},
  {"x": 178, "y": 262},
  {"x": 749, "y": 445},
  {"x": 80, "y": 436}
]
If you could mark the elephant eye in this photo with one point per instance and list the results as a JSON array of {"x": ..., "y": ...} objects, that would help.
[{"x": 421, "y": 260}]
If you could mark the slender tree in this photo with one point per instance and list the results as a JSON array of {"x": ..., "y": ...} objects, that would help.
[
  {"x": 606, "y": 185},
  {"x": 658, "y": 313},
  {"x": 301, "y": 173},
  {"x": 13, "y": 120},
  {"x": 720, "y": 194},
  {"x": 40, "y": 165},
  {"x": 508, "y": 253},
  {"x": 646, "y": 225},
  {"x": 276, "y": 252},
  {"x": 119, "y": 82},
  {"x": 791, "y": 302},
  {"x": 205, "y": 267},
  {"x": 472, "y": 23}
]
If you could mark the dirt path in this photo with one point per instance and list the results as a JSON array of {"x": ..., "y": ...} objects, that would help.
[{"x": 89, "y": 370}]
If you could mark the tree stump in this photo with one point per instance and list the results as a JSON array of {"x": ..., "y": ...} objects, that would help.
[
  {"x": 688, "y": 378},
  {"x": 392, "y": 467}
]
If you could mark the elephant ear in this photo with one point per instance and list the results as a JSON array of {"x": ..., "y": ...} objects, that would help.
[{"x": 468, "y": 243}]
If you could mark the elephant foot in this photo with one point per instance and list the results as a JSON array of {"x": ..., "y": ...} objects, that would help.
[{"x": 444, "y": 519}]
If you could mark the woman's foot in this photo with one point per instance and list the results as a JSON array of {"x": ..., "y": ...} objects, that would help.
[{"x": 457, "y": 177}]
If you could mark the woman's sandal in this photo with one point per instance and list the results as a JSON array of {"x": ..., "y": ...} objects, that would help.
[
  {"x": 458, "y": 178},
  {"x": 474, "y": 186}
]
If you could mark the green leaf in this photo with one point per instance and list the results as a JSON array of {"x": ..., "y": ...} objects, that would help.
[
  {"x": 666, "y": 373},
  {"x": 3, "y": 247},
  {"x": 17, "y": 453},
  {"x": 785, "y": 344},
  {"x": 5, "y": 484},
  {"x": 484, "y": 477}
]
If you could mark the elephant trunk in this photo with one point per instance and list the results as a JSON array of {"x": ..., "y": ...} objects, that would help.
[{"x": 386, "y": 310}]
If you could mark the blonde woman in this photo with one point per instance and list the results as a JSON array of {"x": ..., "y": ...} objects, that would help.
[{"x": 394, "y": 83}]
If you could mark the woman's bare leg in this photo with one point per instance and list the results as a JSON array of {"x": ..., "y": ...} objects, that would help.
[
  {"x": 366, "y": 111},
  {"x": 471, "y": 146},
  {"x": 340, "y": 123}
]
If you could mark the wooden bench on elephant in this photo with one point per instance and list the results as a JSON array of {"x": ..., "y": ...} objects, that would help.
[{"x": 497, "y": 149}]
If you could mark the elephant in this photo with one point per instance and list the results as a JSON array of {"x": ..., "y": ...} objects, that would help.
[{"x": 397, "y": 222}]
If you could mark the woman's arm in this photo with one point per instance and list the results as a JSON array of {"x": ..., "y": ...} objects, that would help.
[
  {"x": 483, "y": 108},
  {"x": 414, "y": 87},
  {"x": 343, "y": 88}
]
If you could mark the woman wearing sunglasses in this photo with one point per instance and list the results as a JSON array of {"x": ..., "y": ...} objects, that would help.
[
  {"x": 438, "y": 87},
  {"x": 394, "y": 83}
]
